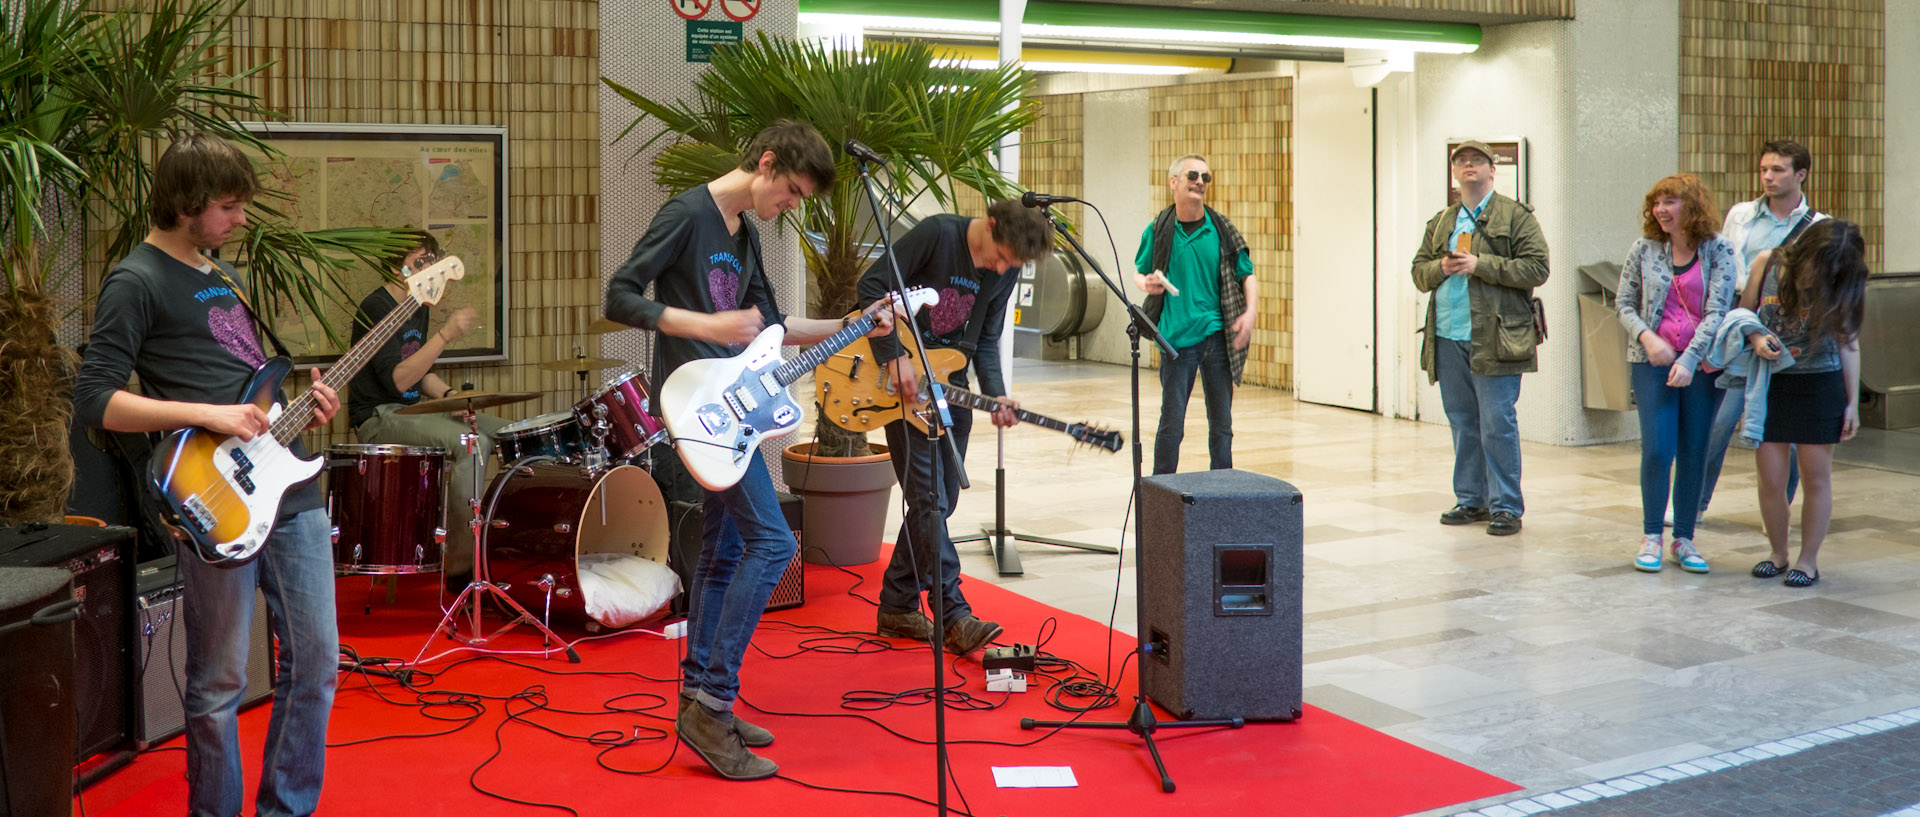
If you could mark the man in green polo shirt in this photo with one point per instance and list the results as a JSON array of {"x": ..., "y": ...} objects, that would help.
[{"x": 1199, "y": 281}]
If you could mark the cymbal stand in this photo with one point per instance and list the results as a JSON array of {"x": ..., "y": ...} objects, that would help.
[
  {"x": 469, "y": 601},
  {"x": 581, "y": 373}
]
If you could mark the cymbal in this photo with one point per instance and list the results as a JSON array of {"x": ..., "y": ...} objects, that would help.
[
  {"x": 582, "y": 364},
  {"x": 602, "y": 326},
  {"x": 462, "y": 401}
]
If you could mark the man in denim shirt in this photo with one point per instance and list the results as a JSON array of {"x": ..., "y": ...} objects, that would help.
[
  {"x": 1755, "y": 226},
  {"x": 1479, "y": 336}
]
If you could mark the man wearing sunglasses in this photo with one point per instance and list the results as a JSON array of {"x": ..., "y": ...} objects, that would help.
[
  {"x": 1481, "y": 259},
  {"x": 1199, "y": 280},
  {"x": 399, "y": 375}
]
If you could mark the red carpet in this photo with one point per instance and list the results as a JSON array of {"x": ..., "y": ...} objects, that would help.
[{"x": 1319, "y": 765}]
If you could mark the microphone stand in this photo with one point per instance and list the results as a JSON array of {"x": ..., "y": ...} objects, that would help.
[
  {"x": 1142, "y": 721},
  {"x": 939, "y": 423}
]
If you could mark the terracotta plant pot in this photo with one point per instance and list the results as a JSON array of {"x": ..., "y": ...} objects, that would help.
[{"x": 846, "y": 503}]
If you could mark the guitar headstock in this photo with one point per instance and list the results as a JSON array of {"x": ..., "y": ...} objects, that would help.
[
  {"x": 917, "y": 297},
  {"x": 428, "y": 285},
  {"x": 1097, "y": 437}
]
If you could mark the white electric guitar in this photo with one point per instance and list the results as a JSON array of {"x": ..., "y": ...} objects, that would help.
[{"x": 719, "y": 409}]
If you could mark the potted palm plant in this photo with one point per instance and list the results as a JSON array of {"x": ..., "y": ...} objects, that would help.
[
  {"x": 936, "y": 122},
  {"x": 86, "y": 100}
]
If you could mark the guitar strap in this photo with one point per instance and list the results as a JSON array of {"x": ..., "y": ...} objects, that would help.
[{"x": 251, "y": 313}]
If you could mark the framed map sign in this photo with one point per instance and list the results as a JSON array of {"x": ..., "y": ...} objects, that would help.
[{"x": 448, "y": 180}]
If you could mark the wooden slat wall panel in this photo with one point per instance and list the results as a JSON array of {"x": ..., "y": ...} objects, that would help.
[{"x": 1808, "y": 70}]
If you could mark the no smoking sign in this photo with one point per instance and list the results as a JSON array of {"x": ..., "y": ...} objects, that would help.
[
  {"x": 691, "y": 9},
  {"x": 742, "y": 10}
]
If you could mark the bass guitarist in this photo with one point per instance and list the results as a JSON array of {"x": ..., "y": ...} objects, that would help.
[
  {"x": 974, "y": 264},
  {"x": 179, "y": 319}
]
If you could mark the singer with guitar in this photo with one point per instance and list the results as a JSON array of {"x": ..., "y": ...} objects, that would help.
[
  {"x": 974, "y": 264},
  {"x": 711, "y": 298},
  {"x": 179, "y": 319}
]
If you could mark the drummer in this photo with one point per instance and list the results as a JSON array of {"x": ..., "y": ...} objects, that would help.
[{"x": 399, "y": 376}]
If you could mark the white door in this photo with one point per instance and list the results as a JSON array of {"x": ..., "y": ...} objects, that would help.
[{"x": 1333, "y": 238}]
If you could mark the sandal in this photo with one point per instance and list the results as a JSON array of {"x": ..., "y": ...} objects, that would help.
[
  {"x": 1766, "y": 570},
  {"x": 1796, "y": 578}
]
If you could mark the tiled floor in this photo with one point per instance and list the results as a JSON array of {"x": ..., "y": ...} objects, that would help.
[{"x": 1543, "y": 657}]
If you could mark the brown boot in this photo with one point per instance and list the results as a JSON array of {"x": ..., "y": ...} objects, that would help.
[
  {"x": 750, "y": 734},
  {"x": 717, "y": 743},
  {"x": 969, "y": 634},
  {"x": 914, "y": 625}
]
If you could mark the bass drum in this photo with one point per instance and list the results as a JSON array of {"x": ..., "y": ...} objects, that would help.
[{"x": 544, "y": 517}]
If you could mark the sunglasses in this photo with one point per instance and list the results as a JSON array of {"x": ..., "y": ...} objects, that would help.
[{"x": 1197, "y": 176}]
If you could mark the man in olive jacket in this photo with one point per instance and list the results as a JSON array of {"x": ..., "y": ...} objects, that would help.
[{"x": 1480, "y": 336}]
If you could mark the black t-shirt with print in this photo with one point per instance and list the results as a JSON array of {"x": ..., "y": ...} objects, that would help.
[
  {"x": 186, "y": 333},
  {"x": 693, "y": 263},
  {"x": 973, "y": 301},
  {"x": 372, "y": 386}
]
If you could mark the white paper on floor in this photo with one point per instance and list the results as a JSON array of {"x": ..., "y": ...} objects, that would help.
[{"x": 1034, "y": 777}]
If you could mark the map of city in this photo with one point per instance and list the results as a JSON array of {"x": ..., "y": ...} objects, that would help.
[{"x": 447, "y": 187}]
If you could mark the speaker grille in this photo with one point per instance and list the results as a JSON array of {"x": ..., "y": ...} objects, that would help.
[
  {"x": 101, "y": 561},
  {"x": 162, "y": 655}
]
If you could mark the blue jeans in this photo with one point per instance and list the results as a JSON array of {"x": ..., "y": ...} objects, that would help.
[
  {"x": 1208, "y": 359},
  {"x": 745, "y": 547},
  {"x": 295, "y": 571},
  {"x": 929, "y": 503},
  {"x": 1674, "y": 426},
  {"x": 1486, "y": 432},
  {"x": 1725, "y": 422}
]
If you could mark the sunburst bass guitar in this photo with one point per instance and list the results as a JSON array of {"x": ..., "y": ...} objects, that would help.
[
  {"x": 856, "y": 394},
  {"x": 719, "y": 409},
  {"x": 223, "y": 494}
]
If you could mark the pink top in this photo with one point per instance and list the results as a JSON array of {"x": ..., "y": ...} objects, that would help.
[{"x": 1686, "y": 304}]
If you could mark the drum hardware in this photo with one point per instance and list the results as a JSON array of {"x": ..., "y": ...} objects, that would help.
[
  {"x": 545, "y": 518},
  {"x": 481, "y": 586}
]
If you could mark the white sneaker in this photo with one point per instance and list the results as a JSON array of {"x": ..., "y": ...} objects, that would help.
[
  {"x": 1687, "y": 557},
  {"x": 1652, "y": 554}
]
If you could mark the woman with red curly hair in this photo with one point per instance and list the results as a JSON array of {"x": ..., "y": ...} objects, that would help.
[{"x": 1677, "y": 285}]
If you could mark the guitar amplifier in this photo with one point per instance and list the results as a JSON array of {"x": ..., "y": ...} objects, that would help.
[
  {"x": 161, "y": 647},
  {"x": 683, "y": 555},
  {"x": 101, "y": 561}
]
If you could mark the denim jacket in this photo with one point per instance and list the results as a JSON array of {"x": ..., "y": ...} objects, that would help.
[{"x": 1744, "y": 368}]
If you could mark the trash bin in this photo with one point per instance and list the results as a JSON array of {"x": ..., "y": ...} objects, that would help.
[{"x": 1605, "y": 381}]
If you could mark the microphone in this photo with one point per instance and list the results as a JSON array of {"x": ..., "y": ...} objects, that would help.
[
  {"x": 1032, "y": 199},
  {"x": 861, "y": 152}
]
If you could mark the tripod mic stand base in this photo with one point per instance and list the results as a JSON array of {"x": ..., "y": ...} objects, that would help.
[
  {"x": 1006, "y": 556},
  {"x": 477, "y": 637},
  {"x": 1142, "y": 723}
]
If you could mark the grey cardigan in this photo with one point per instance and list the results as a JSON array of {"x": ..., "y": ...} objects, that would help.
[{"x": 1644, "y": 282}]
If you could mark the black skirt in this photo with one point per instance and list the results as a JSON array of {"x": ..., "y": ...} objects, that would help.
[{"x": 1806, "y": 408}]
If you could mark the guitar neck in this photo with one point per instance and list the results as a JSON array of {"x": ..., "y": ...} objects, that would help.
[
  {"x": 300, "y": 412},
  {"x": 980, "y": 402},
  {"x": 805, "y": 362}
]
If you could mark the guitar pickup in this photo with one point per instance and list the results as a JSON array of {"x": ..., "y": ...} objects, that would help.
[
  {"x": 246, "y": 482},
  {"x": 195, "y": 513},
  {"x": 744, "y": 399},
  {"x": 240, "y": 459}
]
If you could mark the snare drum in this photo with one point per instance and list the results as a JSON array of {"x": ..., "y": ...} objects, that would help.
[
  {"x": 627, "y": 404},
  {"x": 389, "y": 508},
  {"x": 554, "y": 434},
  {"x": 542, "y": 518}
]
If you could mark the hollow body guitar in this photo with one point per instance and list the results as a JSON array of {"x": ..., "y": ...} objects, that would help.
[
  {"x": 221, "y": 493},
  {"x": 855, "y": 394}
]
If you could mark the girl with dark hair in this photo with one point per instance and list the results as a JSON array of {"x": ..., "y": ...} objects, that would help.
[
  {"x": 1675, "y": 288},
  {"x": 1811, "y": 302}
]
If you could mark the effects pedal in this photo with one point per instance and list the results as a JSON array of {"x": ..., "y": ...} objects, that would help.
[
  {"x": 1019, "y": 658},
  {"x": 1006, "y": 680}
]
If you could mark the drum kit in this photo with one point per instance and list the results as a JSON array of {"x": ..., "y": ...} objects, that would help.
[{"x": 574, "y": 486}]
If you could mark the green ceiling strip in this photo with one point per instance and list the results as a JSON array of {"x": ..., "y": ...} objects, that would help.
[{"x": 1053, "y": 12}]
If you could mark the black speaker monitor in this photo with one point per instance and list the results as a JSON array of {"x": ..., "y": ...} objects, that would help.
[
  {"x": 101, "y": 561},
  {"x": 1221, "y": 554},
  {"x": 36, "y": 691}
]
